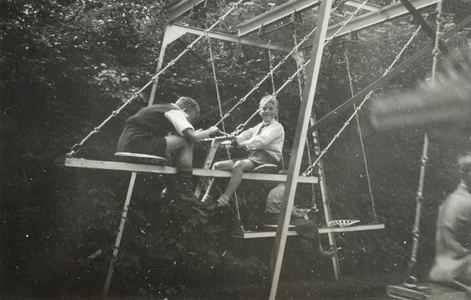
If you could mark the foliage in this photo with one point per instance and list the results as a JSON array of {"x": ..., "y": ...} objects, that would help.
[{"x": 66, "y": 65}]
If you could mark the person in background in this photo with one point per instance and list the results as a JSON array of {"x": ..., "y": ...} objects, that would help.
[
  {"x": 307, "y": 229},
  {"x": 452, "y": 264}
]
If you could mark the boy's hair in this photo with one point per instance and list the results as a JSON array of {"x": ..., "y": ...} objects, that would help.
[
  {"x": 464, "y": 165},
  {"x": 187, "y": 102},
  {"x": 267, "y": 99}
]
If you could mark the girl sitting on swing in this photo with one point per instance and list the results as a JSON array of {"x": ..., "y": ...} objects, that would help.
[{"x": 264, "y": 143}]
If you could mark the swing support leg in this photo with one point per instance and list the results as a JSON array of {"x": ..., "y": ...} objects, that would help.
[
  {"x": 120, "y": 233},
  {"x": 238, "y": 218}
]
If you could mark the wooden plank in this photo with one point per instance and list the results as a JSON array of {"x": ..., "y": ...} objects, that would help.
[
  {"x": 299, "y": 142},
  {"x": 131, "y": 167},
  {"x": 428, "y": 291},
  {"x": 403, "y": 293},
  {"x": 323, "y": 230}
]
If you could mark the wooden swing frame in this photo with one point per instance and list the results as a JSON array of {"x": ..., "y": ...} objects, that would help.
[{"x": 174, "y": 32}]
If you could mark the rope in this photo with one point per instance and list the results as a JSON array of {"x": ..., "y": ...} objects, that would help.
[
  {"x": 361, "y": 141},
  {"x": 77, "y": 146},
  {"x": 359, "y": 107},
  {"x": 411, "y": 280},
  {"x": 282, "y": 61}
]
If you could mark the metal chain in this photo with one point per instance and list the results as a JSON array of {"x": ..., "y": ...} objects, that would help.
[
  {"x": 311, "y": 167},
  {"x": 361, "y": 141},
  {"x": 77, "y": 146},
  {"x": 280, "y": 63},
  {"x": 411, "y": 279},
  {"x": 270, "y": 59},
  {"x": 216, "y": 82}
]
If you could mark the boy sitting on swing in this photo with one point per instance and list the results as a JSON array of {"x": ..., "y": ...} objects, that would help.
[
  {"x": 264, "y": 143},
  {"x": 164, "y": 129}
]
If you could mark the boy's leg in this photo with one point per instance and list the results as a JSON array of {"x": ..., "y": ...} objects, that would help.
[
  {"x": 238, "y": 170},
  {"x": 177, "y": 142},
  {"x": 184, "y": 162},
  {"x": 225, "y": 165}
]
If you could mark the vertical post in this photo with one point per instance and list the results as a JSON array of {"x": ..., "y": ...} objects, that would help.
[
  {"x": 120, "y": 233},
  {"x": 323, "y": 186},
  {"x": 207, "y": 165},
  {"x": 325, "y": 202},
  {"x": 165, "y": 42},
  {"x": 299, "y": 141}
]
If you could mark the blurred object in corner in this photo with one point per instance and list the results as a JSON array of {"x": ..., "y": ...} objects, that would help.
[{"x": 441, "y": 109}]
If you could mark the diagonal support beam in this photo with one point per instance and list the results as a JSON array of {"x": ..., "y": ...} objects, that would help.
[
  {"x": 174, "y": 32},
  {"x": 367, "y": 6},
  {"x": 361, "y": 95},
  {"x": 274, "y": 15},
  {"x": 429, "y": 31},
  {"x": 299, "y": 142},
  {"x": 181, "y": 8},
  {"x": 385, "y": 14}
]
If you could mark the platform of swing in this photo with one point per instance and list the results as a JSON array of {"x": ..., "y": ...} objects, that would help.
[
  {"x": 163, "y": 169},
  {"x": 428, "y": 291},
  {"x": 271, "y": 231}
]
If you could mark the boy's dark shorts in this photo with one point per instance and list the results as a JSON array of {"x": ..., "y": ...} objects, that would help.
[{"x": 136, "y": 141}]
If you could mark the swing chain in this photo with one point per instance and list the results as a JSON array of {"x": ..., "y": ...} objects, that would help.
[
  {"x": 154, "y": 78},
  {"x": 424, "y": 159},
  {"x": 359, "y": 107},
  {"x": 282, "y": 61},
  {"x": 370, "y": 189}
]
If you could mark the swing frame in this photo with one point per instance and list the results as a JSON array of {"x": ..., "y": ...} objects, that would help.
[{"x": 317, "y": 42}]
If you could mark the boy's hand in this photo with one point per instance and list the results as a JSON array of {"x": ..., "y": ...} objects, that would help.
[
  {"x": 298, "y": 213},
  {"x": 213, "y": 130}
]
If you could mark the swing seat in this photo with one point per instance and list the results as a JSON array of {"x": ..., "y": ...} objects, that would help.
[
  {"x": 140, "y": 158},
  {"x": 266, "y": 168},
  {"x": 427, "y": 291},
  {"x": 342, "y": 223},
  {"x": 276, "y": 226}
]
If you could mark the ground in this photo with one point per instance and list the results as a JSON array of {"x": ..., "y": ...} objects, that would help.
[{"x": 364, "y": 288}]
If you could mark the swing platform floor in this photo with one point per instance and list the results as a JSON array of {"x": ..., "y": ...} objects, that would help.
[
  {"x": 428, "y": 291},
  {"x": 162, "y": 169},
  {"x": 271, "y": 232}
]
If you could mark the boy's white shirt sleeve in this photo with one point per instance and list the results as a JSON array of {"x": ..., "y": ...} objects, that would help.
[
  {"x": 246, "y": 135},
  {"x": 261, "y": 141},
  {"x": 179, "y": 120}
]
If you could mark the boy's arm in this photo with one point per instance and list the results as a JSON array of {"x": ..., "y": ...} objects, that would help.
[
  {"x": 198, "y": 135},
  {"x": 265, "y": 138}
]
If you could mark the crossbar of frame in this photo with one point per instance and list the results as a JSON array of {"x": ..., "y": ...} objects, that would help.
[
  {"x": 174, "y": 31},
  {"x": 157, "y": 169},
  {"x": 323, "y": 230},
  {"x": 287, "y": 9},
  {"x": 387, "y": 13},
  {"x": 181, "y": 8}
]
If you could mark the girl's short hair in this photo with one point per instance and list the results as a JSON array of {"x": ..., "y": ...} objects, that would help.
[
  {"x": 267, "y": 99},
  {"x": 187, "y": 102}
]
